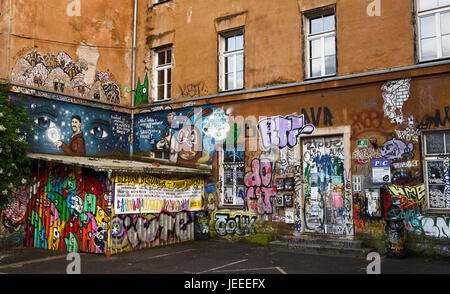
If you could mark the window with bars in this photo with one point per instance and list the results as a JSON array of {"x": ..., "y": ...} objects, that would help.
[
  {"x": 231, "y": 64},
  {"x": 433, "y": 29},
  {"x": 437, "y": 168},
  {"x": 321, "y": 45},
  {"x": 163, "y": 74}
]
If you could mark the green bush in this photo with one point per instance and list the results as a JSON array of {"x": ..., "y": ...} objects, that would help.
[{"x": 15, "y": 124}]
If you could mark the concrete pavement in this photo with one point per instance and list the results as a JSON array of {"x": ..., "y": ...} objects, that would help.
[{"x": 209, "y": 257}]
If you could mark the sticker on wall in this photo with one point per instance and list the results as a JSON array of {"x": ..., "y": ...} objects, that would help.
[
  {"x": 381, "y": 171},
  {"x": 289, "y": 216},
  {"x": 362, "y": 143}
]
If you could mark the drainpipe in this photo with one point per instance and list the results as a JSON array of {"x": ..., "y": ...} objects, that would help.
[{"x": 133, "y": 74}]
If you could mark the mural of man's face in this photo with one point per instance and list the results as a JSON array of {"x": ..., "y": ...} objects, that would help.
[{"x": 76, "y": 125}]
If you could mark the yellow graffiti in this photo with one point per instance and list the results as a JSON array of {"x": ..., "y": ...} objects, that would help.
[
  {"x": 415, "y": 193},
  {"x": 102, "y": 218}
]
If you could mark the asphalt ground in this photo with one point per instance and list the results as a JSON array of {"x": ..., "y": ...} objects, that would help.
[{"x": 196, "y": 263}]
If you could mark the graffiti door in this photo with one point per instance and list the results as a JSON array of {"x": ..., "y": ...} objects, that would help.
[{"x": 323, "y": 169}]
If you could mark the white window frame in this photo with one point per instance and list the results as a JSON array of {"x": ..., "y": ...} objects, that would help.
[
  {"x": 436, "y": 12},
  {"x": 434, "y": 158},
  {"x": 223, "y": 36},
  {"x": 322, "y": 35},
  {"x": 165, "y": 68}
]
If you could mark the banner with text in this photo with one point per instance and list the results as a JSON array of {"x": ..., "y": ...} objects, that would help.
[{"x": 141, "y": 193}]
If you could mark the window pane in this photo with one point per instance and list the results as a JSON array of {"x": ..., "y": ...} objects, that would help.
[
  {"x": 329, "y": 46},
  {"x": 162, "y": 58},
  {"x": 434, "y": 143},
  {"x": 229, "y": 64},
  {"x": 328, "y": 23},
  {"x": 230, "y": 44},
  {"x": 444, "y": 2},
  {"x": 427, "y": 4},
  {"x": 240, "y": 62},
  {"x": 445, "y": 23},
  {"x": 437, "y": 196},
  {"x": 160, "y": 77},
  {"x": 160, "y": 94},
  {"x": 169, "y": 56},
  {"x": 316, "y": 67},
  {"x": 316, "y": 48},
  {"x": 427, "y": 27},
  {"x": 429, "y": 49},
  {"x": 169, "y": 91},
  {"x": 435, "y": 172},
  {"x": 447, "y": 142},
  {"x": 446, "y": 46},
  {"x": 330, "y": 65},
  {"x": 229, "y": 81},
  {"x": 240, "y": 80},
  {"x": 316, "y": 25},
  {"x": 169, "y": 75},
  {"x": 239, "y": 42}
]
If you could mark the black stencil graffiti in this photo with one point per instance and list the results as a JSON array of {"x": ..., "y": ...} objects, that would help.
[{"x": 315, "y": 116}]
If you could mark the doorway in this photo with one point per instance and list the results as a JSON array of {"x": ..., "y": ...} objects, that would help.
[{"x": 325, "y": 206}]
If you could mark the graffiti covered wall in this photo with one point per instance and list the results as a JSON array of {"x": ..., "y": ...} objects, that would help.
[
  {"x": 393, "y": 127},
  {"x": 13, "y": 218},
  {"x": 134, "y": 231},
  {"x": 68, "y": 210}
]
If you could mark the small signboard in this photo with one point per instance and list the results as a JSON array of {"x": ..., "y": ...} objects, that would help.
[
  {"x": 362, "y": 143},
  {"x": 381, "y": 171}
]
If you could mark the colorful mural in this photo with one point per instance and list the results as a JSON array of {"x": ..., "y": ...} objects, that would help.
[
  {"x": 61, "y": 73},
  {"x": 185, "y": 136},
  {"x": 68, "y": 210},
  {"x": 66, "y": 128}
]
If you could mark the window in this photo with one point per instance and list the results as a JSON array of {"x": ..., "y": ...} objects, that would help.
[
  {"x": 163, "y": 74},
  {"x": 321, "y": 45},
  {"x": 437, "y": 167},
  {"x": 434, "y": 29},
  {"x": 232, "y": 171},
  {"x": 231, "y": 63}
]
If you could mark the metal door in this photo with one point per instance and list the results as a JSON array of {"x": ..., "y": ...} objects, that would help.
[{"x": 323, "y": 170}]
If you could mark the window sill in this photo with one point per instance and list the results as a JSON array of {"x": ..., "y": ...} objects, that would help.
[
  {"x": 321, "y": 77},
  {"x": 161, "y": 101},
  {"x": 433, "y": 60},
  {"x": 160, "y": 2},
  {"x": 231, "y": 90}
]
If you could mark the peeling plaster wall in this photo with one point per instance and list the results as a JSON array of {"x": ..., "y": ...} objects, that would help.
[{"x": 89, "y": 34}]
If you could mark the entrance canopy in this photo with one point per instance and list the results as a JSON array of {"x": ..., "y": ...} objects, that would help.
[{"x": 120, "y": 165}]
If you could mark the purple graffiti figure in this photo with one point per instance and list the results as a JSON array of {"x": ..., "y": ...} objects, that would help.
[
  {"x": 283, "y": 131},
  {"x": 396, "y": 149}
]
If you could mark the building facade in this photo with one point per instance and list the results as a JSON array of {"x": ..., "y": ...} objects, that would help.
[{"x": 328, "y": 118}]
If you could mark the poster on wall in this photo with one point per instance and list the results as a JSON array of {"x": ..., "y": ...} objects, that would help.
[
  {"x": 381, "y": 171},
  {"x": 141, "y": 193},
  {"x": 373, "y": 201}
]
